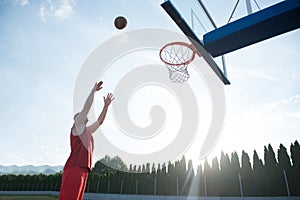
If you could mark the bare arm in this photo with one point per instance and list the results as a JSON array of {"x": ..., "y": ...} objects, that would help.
[
  {"x": 80, "y": 118},
  {"x": 109, "y": 98}
]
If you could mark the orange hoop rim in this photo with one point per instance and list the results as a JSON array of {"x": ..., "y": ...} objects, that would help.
[{"x": 190, "y": 46}]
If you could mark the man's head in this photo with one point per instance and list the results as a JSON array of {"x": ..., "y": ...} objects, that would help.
[{"x": 77, "y": 115}]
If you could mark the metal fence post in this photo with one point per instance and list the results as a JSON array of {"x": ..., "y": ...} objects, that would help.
[
  {"x": 154, "y": 192},
  {"x": 286, "y": 183},
  {"x": 98, "y": 184},
  {"x": 205, "y": 187},
  {"x": 121, "y": 189},
  {"x": 108, "y": 186},
  {"x": 136, "y": 186},
  {"x": 241, "y": 186},
  {"x": 177, "y": 185}
]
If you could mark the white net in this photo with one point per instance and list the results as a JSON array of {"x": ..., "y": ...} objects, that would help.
[
  {"x": 177, "y": 56},
  {"x": 178, "y": 76}
]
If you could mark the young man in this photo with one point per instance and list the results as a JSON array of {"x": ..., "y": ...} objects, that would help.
[{"x": 79, "y": 163}]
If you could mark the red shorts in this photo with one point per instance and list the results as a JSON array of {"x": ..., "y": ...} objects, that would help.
[{"x": 73, "y": 183}]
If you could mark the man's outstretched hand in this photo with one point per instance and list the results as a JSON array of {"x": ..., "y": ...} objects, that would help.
[
  {"x": 98, "y": 86},
  {"x": 109, "y": 98}
]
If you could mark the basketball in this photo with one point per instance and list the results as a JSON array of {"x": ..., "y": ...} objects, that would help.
[{"x": 120, "y": 22}]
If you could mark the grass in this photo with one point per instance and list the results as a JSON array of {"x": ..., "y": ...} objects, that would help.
[{"x": 27, "y": 197}]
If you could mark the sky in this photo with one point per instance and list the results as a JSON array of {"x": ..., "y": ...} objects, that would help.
[{"x": 45, "y": 43}]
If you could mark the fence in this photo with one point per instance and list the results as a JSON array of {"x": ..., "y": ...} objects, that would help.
[
  {"x": 165, "y": 185},
  {"x": 96, "y": 196}
]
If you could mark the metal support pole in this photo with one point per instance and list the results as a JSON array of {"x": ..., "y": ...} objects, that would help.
[
  {"x": 108, "y": 186},
  {"x": 286, "y": 183},
  {"x": 249, "y": 7},
  {"x": 177, "y": 185},
  {"x": 136, "y": 186},
  {"x": 241, "y": 186},
  {"x": 154, "y": 192},
  {"x": 224, "y": 66},
  {"x": 98, "y": 186},
  {"x": 205, "y": 188},
  {"x": 233, "y": 11},
  {"x": 121, "y": 189}
]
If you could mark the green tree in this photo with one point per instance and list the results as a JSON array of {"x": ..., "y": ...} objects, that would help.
[
  {"x": 235, "y": 162},
  {"x": 257, "y": 162},
  {"x": 273, "y": 175},
  {"x": 153, "y": 169},
  {"x": 182, "y": 166},
  {"x": 200, "y": 177},
  {"x": 246, "y": 164},
  {"x": 139, "y": 170},
  {"x": 158, "y": 168},
  {"x": 207, "y": 177},
  {"x": 188, "y": 178},
  {"x": 258, "y": 176},
  {"x": 215, "y": 167},
  {"x": 235, "y": 171},
  {"x": 164, "y": 168},
  {"x": 269, "y": 157},
  {"x": 295, "y": 154},
  {"x": 225, "y": 175},
  {"x": 108, "y": 166},
  {"x": 294, "y": 175},
  {"x": 130, "y": 168},
  {"x": 148, "y": 168},
  {"x": 161, "y": 183},
  {"x": 246, "y": 175},
  {"x": 181, "y": 174},
  {"x": 284, "y": 161},
  {"x": 171, "y": 179},
  {"x": 215, "y": 177},
  {"x": 224, "y": 162}
]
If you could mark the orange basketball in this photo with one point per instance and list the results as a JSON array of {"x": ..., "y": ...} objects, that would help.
[{"x": 120, "y": 22}]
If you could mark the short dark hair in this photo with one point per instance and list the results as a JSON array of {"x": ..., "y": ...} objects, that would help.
[{"x": 76, "y": 115}]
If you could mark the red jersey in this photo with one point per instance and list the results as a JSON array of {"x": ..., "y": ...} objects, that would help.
[{"x": 82, "y": 147}]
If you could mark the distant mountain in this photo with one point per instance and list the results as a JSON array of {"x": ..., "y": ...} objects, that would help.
[{"x": 30, "y": 169}]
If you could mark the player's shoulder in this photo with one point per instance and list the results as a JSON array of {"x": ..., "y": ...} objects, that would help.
[{"x": 78, "y": 130}]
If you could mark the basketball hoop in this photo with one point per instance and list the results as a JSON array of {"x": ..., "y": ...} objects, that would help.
[{"x": 177, "y": 56}]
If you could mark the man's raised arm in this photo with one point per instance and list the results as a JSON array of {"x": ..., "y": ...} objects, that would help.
[
  {"x": 81, "y": 117},
  {"x": 109, "y": 98}
]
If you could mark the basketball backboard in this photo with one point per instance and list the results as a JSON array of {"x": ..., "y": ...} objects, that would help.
[{"x": 194, "y": 20}]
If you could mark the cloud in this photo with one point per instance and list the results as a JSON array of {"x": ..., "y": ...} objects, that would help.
[
  {"x": 60, "y": 9},
  {"x": 258, "y": 73},
  {"x": 21, "y": 2},
  {"x": 276, "y": 122},
  {"x": 17, "y": 2},
  {"x": 64, "y": 10},
  {"x": 283, "y": 108},
  {"x": 275, "y": 116}
]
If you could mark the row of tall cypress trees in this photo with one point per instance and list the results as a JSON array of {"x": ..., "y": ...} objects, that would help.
[{"x": 278, "y": 174}]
